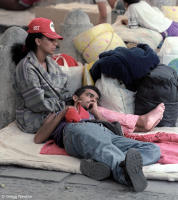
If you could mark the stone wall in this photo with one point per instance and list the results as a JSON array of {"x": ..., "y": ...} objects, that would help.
[
  {"x": 75, "y": 23},
  {"x": 7, "y": 69}
]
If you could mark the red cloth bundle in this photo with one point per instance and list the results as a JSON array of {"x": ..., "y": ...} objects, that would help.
[{"x": 74, "y": 115}]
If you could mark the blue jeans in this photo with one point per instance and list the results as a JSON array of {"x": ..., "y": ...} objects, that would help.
[{"x": 94, "y": 141}]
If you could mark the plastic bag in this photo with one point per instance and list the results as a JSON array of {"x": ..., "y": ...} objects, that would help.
[
  {"x": 169, "y": 52},
  {"x": 74, "y": 73},
  {"x": 69, "y": 59},
  {"x": 115, "y": 96}
]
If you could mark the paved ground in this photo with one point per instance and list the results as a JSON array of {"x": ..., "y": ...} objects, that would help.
[{"x": 31, "y": 184}]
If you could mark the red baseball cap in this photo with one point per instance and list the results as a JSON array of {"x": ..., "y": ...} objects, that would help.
[{"x": 44, "y": 26}]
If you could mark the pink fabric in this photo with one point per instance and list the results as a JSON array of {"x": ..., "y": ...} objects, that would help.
[
  {"x": 51, "y": 148},
  {"x": 169, "y": 149},
  {"x": 169, "y": 152},
  {"x": 168, "y": 143},
  {"x": 127, "y": 121}
]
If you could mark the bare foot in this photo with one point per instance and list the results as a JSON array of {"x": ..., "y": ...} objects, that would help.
[{"x": 150, "y": 120}]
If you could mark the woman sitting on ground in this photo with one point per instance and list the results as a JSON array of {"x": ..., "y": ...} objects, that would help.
[{"x": 40, "y": 83}]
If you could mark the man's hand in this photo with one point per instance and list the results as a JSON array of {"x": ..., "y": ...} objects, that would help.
[{"x": 94, "y": 110}]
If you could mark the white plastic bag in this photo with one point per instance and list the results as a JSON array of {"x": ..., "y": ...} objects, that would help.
[
  {"x": 74, "y": 73},
  {"x": 169, "y": 52},
  {"x": 115, "y": 96},
  {"x": 169, "y": 47}
]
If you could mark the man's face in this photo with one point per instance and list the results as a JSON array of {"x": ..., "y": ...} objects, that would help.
[{"x": 87, "y": 98}]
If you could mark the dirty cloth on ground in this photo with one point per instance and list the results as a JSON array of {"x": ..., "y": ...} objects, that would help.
[{"x": 18, "y": 148}]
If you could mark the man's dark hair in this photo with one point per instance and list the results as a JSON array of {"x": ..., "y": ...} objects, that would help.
[
  {"x": 81, "y": 90},
  {"x": 131, "y": 1}
]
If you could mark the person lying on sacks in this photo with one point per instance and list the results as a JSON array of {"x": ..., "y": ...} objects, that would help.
[
  {"x": 141, "y": 13},
  {"x": 102, "y": 150}
]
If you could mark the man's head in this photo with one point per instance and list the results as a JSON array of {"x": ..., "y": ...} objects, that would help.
[{"x": 87, "y": 95}]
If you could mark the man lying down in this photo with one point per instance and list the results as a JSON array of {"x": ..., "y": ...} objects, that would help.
[{"x": 84, "y": 133}]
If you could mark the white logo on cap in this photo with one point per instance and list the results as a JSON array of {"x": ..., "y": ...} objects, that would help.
[
  {"x": 36, "y": 28},
  {"x": 52, "y": 27}
]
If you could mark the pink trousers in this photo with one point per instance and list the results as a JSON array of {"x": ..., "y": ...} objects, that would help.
[{"x": 127, "y": 121}]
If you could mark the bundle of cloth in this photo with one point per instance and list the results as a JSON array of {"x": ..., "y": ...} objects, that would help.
[
  {"x": 139, "y": 69},
  {"x": 134, "y": 36},
  {"x": 128, "y": 65},
  {"x": 18, "y": 148}
]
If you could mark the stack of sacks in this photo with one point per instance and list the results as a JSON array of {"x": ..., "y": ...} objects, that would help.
[
  {"x": 171, "y": 12},
  {"x": 134, "y": 36},
  {"x": 169, "y": 52},
  {"x": 96, "y": 40}
]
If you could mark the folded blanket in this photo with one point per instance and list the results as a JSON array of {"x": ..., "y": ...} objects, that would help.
[{"x": 18, "y": 148}]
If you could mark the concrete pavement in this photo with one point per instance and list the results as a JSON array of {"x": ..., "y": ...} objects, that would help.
[{"x": 35, "y": 184}]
